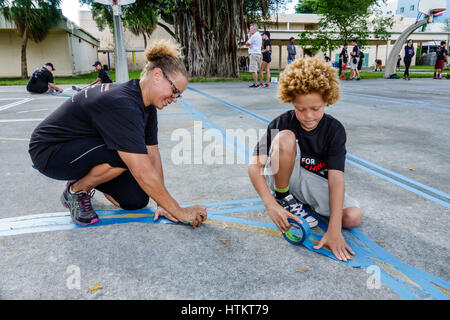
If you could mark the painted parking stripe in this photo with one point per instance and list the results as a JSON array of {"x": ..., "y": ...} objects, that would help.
[
  {"x": 14, "y": 104},
  {"x": 21, "y": 120}
]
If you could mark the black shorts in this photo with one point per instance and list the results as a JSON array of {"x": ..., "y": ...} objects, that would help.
[
  {"x": 266, "y": 59},
  {"x": 74, "y": 159}
]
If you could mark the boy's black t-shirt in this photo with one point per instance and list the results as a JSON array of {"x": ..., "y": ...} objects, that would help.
[
  {"x": 39, "y": 80},
  {"x": 356, "y": 51},
  {"x": 344, "y": 55},
  {"x": 409, "y": 52},
  {"x": 112, "y": 112},
  {"x": 266, "y": 55},
  {"x": 440, "y": 53},
  {"x": 104, "y": 76},
  {"x": 321, "y": 149}
]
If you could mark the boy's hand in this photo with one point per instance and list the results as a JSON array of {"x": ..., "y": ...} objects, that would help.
[
  {"x": 280, "y": 216},
  {"x": 335, "y": 241}
]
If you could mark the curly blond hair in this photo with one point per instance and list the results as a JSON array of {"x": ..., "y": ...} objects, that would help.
[{"x": 308, "y": 75}]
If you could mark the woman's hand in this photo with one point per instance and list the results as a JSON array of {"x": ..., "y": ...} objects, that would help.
[
  {"x": 161, "y": 212},
  {"x": 194, "y": 215}
]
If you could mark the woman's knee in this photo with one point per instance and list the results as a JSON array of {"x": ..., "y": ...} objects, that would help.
[
  {"x": 352, "y": 217},
  {"x": 135, "y": 204}
]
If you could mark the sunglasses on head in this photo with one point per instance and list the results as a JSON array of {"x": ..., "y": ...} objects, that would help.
[{"x": 175, "y": 92}]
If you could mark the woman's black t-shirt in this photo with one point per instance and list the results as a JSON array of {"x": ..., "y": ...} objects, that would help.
[
  {"x": 112, "y": 112},
  {"x": 321, "y": 149},
  {"x": 267, "y": 55}
]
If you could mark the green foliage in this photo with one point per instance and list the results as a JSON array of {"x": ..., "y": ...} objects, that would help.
[
  {"x": 139, "y": 17},
  {"x": 31, "y": 17},
  {"x": 307, "y": 6},
  {"x": 342, "y": 21}
]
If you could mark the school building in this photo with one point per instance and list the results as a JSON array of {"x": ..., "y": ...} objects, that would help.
[
  {"x": 291, "y": 25},
  {"x": 71, "y": 49}
]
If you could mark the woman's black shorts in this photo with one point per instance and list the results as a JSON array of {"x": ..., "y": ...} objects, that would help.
[{"x": 74, "y": 159}]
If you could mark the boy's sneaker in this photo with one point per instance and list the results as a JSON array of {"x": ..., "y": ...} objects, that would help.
[
  {"x": 254, "y": 86},
  {"x": 266, "y": 85},
  {"x": 80, "y": 206},
  {"x": 291, "y": 204},
  {"x": 261, "y": 85}
]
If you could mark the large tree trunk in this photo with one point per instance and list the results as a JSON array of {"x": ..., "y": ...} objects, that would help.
[
  {"x": 208, "y": 35},
  {"x": 24, "y": 69}
]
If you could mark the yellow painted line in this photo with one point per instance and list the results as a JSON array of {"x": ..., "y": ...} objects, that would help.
[
  {"x": 14, "y": 139},
  {"x": 244, "y": 227},
  {"x": 128, "y": 215},
  {"x": 391, "y": 270},
  {"x": 445, "y": 291}
]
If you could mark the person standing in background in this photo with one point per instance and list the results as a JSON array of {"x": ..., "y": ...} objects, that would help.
[
  {"x": 266, "y": 51},
  {"x": 292, "y": 52},
  {"x": 254, "y": 50},
  {"x": 409, "y": 53},
  {"x": 441, "y": 54},
  {"x": 343, "y": 59}
]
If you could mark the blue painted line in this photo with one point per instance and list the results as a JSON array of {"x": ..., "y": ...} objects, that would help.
[
  {"x": 168, "y": 114},
  {"x": 237, "y": 210},
  {"x": 397, "y": 101},
  {"x": 387, "y": 279},
  {"x": 211, "y": 124},
  {"x": 410, "y": 185},
  {"x": 426, "y": 195},
  {"x": 245, "y": 111},
  {"x": 373, "y": 250},
  {"x": 386, "y": 171},
  {"x": 61, "y": 95}
]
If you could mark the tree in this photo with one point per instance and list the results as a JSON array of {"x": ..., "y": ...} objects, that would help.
[
  {"x": 342, "y": 21},
  {"x": 140, "y": 19},
  {"x": 307, "y": 6},
  {"x": 209, "y": 31},
  {"x": 32, "y": 19}
]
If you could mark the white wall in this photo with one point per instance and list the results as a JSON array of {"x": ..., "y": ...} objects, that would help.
[{"x": 84, "y": 54}]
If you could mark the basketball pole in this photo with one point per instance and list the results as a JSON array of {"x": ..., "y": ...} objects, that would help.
[{"x": 119, "y": 49}]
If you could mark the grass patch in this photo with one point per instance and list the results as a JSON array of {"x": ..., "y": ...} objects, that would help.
[{"x": 244, "y": 76}]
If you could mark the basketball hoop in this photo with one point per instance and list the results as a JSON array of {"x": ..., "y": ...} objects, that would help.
[
  {"x": 115, "y": 2},
  {"x": 432, "y": 7}
]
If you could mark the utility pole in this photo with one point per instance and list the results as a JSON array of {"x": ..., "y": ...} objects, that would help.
[{"x": 120, "y": 55}]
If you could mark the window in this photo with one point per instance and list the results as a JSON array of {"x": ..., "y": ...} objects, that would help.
[
  {"x": 402, "y": 9},
  {"x": 411, "y": 8}
]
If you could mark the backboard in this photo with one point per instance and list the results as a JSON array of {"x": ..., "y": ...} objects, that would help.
[
  {"x": 115, "y": 2},
  {"x": 432, "y": 7}
]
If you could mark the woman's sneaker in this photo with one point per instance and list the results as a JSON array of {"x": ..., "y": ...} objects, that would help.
[
  {"x": 80, "y": 206},
  {"x": 291, "y": 204}
]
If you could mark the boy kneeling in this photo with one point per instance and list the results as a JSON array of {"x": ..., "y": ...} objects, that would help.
[{"x": 301, "y": 157}]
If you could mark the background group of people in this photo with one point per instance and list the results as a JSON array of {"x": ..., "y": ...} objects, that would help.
[
  {"x": 41, "y": 81},
  {"x": 260, "y": 52}
]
